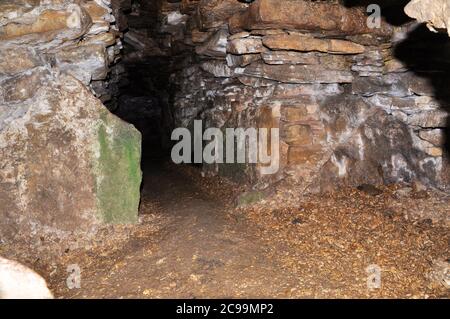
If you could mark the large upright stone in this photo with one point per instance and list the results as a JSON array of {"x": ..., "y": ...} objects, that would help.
[
  {"x": 68, "y": 165},
  {"x": 304, "y": 15}
]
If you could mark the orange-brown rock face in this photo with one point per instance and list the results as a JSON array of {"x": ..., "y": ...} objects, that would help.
[
  {"x": 304, "y": 15},
  {"x": 214, "y": 13},
  {"x": 304, "y": 43}
]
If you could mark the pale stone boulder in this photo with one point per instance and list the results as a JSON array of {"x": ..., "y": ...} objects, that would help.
[
  {"x": 435, "y": 13},
  {"x": 20, "y": 282}
]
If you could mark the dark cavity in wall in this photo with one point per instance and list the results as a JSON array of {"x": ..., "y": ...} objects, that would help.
[
  {"x": 143, "y": 89},
  {"x": 422, "y": 52},
  {"x": 426, "y": 54}
]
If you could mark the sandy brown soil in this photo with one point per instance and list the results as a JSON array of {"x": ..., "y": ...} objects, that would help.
[{"x": 193, "y": 242}]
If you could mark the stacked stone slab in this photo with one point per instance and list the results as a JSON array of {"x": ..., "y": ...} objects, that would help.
[
  {"x": 68, "y": 166},
  {"x": 349, "y": 111}
]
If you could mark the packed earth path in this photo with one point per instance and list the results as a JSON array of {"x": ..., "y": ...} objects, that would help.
[
  {"x": 202, "y": 252},
  {"x": 191, "y": 242}
]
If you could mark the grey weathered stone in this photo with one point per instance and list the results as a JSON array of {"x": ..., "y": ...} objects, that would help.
[
  {"x": 241, "y": 60},
  {"x": 86, "y": 63},
  {"x": 215, "y": 46},
  {"x": 430, "y": 119},
  {"x": 63, "y": 154},
  {"x": 217, "y": 68},
  {"x": 388, "y": 85}
]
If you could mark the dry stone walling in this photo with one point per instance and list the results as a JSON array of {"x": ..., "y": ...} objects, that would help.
[
  {"x": 67, "y": 164},
  {"x": 350, "y": 105}
]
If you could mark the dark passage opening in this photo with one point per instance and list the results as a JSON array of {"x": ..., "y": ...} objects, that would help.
[
  {"x": 144, "y": 85},
  {"x": 144, "y": 103}
]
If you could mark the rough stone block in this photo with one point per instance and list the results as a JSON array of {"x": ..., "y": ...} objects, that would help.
[
  {"x": 68, "y": 165},
  {"x": 307, "y": 43},
  {"x": 245, "y": 46}
]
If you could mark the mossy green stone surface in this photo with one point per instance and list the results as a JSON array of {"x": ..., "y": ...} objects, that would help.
[
  {"x": 250, "y": 198},
  {"x": 118, "y": 173}
]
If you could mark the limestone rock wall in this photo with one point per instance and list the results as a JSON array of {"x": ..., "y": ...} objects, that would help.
[
  {"x": 67, "y": 164},
  {"x": 351, "y": 107},
  {"x": 80, "y": 38}
]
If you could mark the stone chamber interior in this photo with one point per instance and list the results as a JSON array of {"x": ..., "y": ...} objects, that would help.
[{"x": 361, "y": 102}]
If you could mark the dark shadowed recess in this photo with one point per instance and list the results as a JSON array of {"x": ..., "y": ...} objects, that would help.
[
  {"x": 143, "y": 98},
  {"x": 143, "y": 102},
  {"x": 425, "y": 53},
  {"x": 391, "y": 10}
]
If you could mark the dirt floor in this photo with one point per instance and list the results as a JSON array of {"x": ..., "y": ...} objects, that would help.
[{"x": 193, "y": 242}]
